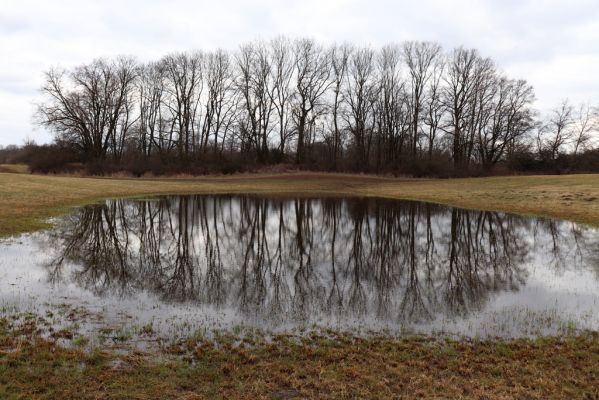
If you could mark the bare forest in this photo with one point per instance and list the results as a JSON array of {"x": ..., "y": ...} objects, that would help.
[{"x": 405, "y": 108}]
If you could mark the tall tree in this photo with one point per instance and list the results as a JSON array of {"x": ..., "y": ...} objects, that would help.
[
  {"x": 459, "y": 89},
  {"x": 392, "y": 107},
  {"x": 85, "y": 106},
  {"x": 360, "y": 94},
  {"x": 434, "y": 106},
  {"x": 340, "y": 55},
  {"x": 254, "y": 82},
  {"x": 312, "y": 71},
  {"x": 150, "y": 89},
  {"x": 557, "y": 130},
  {"x": 184, "y": 84},
  {"x": 420, "y": 58},
  {"x": 510, "y": 118},
  {"x": 282, "y": 60},
  {"x": 585, "y": 123},
  {"x": 220, "y": 104}
]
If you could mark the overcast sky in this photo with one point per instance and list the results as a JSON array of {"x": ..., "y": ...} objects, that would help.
[{"x": 553, "y": 44}]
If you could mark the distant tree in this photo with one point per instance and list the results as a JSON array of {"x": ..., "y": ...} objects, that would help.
[
  {"x": 282, "y": 60},
  {"x": 393, "y": 112},
  {"x": 90, "y": 107},
  {"x": 220, "y": 103},
  {"x": 421, "y": 59},
  {"x": 340, "y": 55},
  {"x": 458, "y": 94},
  {"x": 312, "y": 72},
  {"x": 254, "y": 83},
  {"x": 585, "y": 122},
  {"x": 360, "y": 95},
  {"x": 183, "y": 86},
  {"x": 435, "y": 108},
  {"x": 510, "y": 118},
  {"x": 557, "y": 131},
  {"x": 150, "y": 91}
]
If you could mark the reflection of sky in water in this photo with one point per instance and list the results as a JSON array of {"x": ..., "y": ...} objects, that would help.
[{"x": 398, "y": 266}]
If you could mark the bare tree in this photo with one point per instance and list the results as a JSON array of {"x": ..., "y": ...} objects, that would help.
[
  {"x": 184, "y": 84},
  {"x": 312, "y": 71},
  {"x": 557, "y": 130},
  {"x": 393, "y": 113},
  {"x": 220, "y": 102},
  {"x": 150, "y": 89},
  {"x": 340, "y": 55},
  {"x": 127, "y": 119},
  {"x": 480, "y": 105},
  {"x": 126, "y": 73},
  {"x": 282, "y": 60},
  {"x": 420, "y": 58},
  {"x": 510, "y": 118},
  {"x": 87, "y": 106},
  {"x": 360, "y": 95},
  {"x": 256, "y": 91},
  {"x": 458, "y": 93},
  {"x": 435, "y": 108},
  {"x": 585, "y": 122}
]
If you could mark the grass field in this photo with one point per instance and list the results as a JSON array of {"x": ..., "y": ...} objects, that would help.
[
  {"x": 319, "y": 367},
  {"x": 27, "y": 200},
  {"x": 332, "y": 367}
]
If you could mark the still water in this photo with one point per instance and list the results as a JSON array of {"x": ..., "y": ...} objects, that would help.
[{"x": 189, "y": 263}]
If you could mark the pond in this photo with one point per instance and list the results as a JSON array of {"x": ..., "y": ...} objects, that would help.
[{"x": 183, "y": 264}]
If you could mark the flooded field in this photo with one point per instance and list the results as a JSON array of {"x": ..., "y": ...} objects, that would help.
[{"x": 191, "y": 265}]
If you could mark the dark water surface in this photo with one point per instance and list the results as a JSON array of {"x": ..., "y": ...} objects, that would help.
[{"x": 186, "y": 263}]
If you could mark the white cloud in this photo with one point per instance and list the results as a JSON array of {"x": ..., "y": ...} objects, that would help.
[{"x": 551, "y": 43}]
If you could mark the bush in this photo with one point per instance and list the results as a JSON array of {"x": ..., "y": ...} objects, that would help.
[
  {"x": 50, "y": 158},
  {"x": 58, "y": 158}
]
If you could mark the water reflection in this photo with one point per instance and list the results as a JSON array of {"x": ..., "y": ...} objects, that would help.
[{"x": 281, "y": 259}]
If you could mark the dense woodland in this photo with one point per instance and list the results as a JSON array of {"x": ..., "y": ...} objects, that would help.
[{"x": 408, "y": 108}]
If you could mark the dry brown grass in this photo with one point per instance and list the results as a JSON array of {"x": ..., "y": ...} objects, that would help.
[
  {"x": 337, "y": 367},
  {"x": 14, "y": 168},
  {"x": 26, "y": 200}
]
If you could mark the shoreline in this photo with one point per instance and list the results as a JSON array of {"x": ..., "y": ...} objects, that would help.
[{"x": 27, "y": 201}]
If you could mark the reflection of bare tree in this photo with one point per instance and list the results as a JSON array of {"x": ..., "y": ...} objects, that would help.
[
  {"x": 99, "y": 246},
  {"x": 567, "y": 245},
  {"x": 331, "y": 216},
  {"x": 485, "y": 255},
  {"x": 296, "y": 259},
  {"x": 412, "y": 303}
]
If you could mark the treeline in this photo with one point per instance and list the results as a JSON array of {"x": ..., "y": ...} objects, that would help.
[{"x": 404, "y": 108}]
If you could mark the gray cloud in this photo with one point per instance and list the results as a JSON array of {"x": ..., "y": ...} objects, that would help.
[{"x": 551, "y": 43}]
